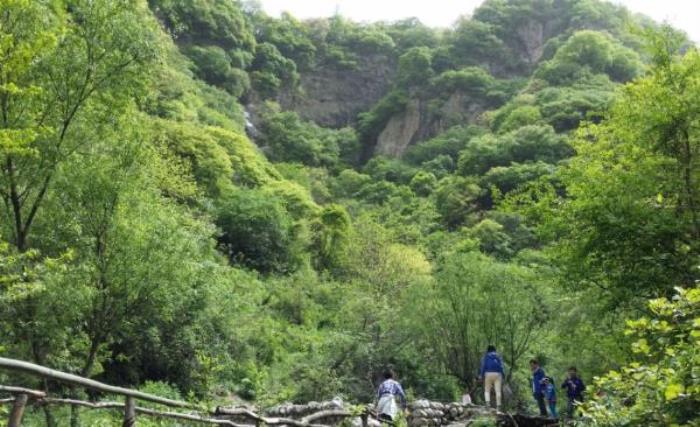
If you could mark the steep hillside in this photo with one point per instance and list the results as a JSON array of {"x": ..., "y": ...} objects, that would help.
[{"x": 411, "y": 82}]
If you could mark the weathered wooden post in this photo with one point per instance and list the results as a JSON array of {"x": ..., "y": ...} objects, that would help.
[
  {"x": 364, "y": 416},
  {"x": 18, "y": 410},
  {"x": 129, "y": 412}
]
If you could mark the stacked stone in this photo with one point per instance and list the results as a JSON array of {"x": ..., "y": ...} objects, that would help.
[
  {"x": 424, "y": 413},
  {"x": 290, "y": 410},
  {"x": 454, "y": 411}
]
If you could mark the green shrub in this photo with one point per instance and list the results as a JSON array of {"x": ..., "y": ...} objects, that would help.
[
  {"x": 661, "y": 386},
  {"x": 257, "y": 232}
]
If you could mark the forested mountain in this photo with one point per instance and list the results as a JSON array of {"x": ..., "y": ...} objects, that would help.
[{"x": 206, "y": 201}]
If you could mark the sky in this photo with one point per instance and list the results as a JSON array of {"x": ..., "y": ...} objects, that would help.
[{"x": 683, "y": 14}]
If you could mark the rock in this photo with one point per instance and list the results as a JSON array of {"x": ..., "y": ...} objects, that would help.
[
  {"x": 333, "y": 96},
  {"x": 400, "y": 131},
  {"x": 421, "y": 404}
]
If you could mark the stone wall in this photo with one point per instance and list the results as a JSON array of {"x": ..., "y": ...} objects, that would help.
[{"x": 421, "y": 413}]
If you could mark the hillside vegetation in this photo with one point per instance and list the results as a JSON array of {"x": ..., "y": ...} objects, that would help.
[{"x": 207, "y": 202}]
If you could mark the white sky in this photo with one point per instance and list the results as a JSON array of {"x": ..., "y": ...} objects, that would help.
[{"x": 683, "y": 14}]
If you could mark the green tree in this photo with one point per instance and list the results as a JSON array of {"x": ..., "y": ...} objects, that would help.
[
  {"x": 629, "y": 224},
  {"x": 455, "y": 198},
  {"x": 495, "y": 303},
  {"x": 590, "y": 52},
  {"x": 258, "y": 232},
  {"x": 414, "y": 67},
  {"x": 50, "y": 84}
]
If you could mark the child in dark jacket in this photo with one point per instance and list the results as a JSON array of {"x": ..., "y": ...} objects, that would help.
[
  {"x": 550, "y": 394},
  {"x": 537, "y": 391},
  {"x": 574, "y": 391}
]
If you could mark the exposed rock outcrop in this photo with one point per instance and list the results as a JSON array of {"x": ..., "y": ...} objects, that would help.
[
  {"x": 400, "y": 131},
  {"x": 421, "y": 120},
  {"x": 333, "y": 96}
]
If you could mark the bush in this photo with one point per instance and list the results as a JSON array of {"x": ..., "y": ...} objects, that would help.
[
  {"x": 290, "y": 139},
  {"x": 414, "y": 67},
  {"x": 257, "y": 232},
  {"x": 662, "y": 385},
  {"x": 423, "y": 183},
  {"x": 455, "y": 198},
  {"x": 440, "y": 166},
  {"x": 389, "y": 169},
  {"x": 590, "y": 52},
  {"x": 474, "y": 81},
  {"x": 271, "y": 70},
  {"x": 528, "y": 143},
  {"x": 213, "y": 65},
  {"x": 448, "y": 143}
]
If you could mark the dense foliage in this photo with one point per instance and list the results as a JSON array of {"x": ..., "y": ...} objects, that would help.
[{"x": 176, "y": 217}]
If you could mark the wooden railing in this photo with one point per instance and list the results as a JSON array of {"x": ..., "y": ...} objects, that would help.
[{"x": 23, "y": 396}]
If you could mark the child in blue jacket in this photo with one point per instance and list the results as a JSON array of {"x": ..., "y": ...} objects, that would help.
[{"x": 550, "y": 393}]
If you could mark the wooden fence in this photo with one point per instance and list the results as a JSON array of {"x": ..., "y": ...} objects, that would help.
[{"x": 22, "y": 396}]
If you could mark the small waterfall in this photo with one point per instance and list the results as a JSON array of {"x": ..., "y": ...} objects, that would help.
[{"x": 250, "y": 128}]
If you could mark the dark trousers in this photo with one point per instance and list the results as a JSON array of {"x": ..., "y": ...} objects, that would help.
[
  {"x": 571, "y": 406},
  {"x": 540, "y": 403}
]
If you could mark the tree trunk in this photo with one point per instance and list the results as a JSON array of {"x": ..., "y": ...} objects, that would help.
[
  {"x": 74, "y": 410},
  {"x": 18, "y": 410},
  {"x": 129, "y": 413}
]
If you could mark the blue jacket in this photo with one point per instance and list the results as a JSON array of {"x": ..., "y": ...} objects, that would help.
[
  {"x": 574, "y": 388},
  {"x": 550, "y": 392},
  {"x": 537, "y": 378},
  {"x": 491, "y": 362}
]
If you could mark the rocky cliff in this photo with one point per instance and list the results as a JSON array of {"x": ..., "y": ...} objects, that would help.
[
  {"x": 422, "y": 119},
  {"x": 333, "y": 96}
]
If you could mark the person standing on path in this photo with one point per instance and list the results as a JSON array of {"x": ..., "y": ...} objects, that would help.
[
  {"x": 388, "y": 391},
  {"x": 550, "y": 393},
  {"x": 574, "y": 391},
  {"x": 493, "y": 375},
  {"x": 537, "y": 385}
]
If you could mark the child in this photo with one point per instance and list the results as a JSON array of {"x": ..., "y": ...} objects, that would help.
[
  {"x": 550, "y": 394},
  {"x": 466, "y": 397},
  {"x": 574, "y": 391}
]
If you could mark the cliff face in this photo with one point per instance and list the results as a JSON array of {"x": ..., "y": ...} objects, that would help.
[
  {"x": 333, "y": 96},
  {"x": 423, "y": 119},
  {"x": 401, "y": 130}
]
